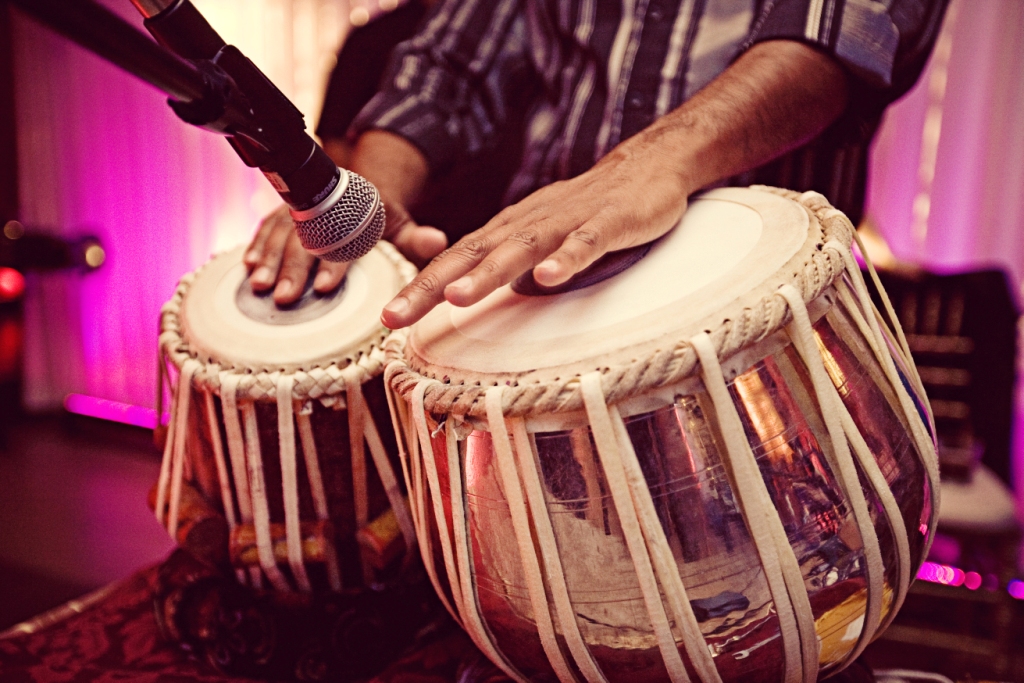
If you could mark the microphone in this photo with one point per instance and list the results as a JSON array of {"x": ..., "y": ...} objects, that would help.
[
  {"x": 338, "y": 214},
  {"x": 347, "y": 224}
]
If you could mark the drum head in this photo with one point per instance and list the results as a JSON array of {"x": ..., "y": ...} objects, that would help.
[
  {"x": 223, "y": 323},
  {"x": 727, "y": 246}
]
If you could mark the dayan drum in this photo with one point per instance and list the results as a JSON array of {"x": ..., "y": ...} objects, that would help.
[
  {"x": 276, "y": 464},
  {"x": 714, "y": 466}
]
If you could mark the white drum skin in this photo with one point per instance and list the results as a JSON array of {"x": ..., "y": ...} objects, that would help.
[
  {"x": 689, "y": 275},
  {"x": 216, "y": 330},
  {"x": 707, "y": 523}
]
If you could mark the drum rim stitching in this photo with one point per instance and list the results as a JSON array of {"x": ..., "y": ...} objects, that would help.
[
  {"x": 740, "y": 324},
  {"x": 260, "y": 384}
]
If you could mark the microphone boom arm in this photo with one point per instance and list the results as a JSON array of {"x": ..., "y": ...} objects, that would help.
[
  {"x": 97, "y": 29},
  {"x": 222, "y": 92},
  {"x": 338, "y": 215}
]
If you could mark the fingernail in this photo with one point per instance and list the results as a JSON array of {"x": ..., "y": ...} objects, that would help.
[
  {"x": 549, "y": 265},
  {"x": 547, "y": 272},
  {"x": 322, "y": 281},
  {"x": 398, "y": 306},
  {"x": 262, "y": 276},
  {"x": 460, "y": 285},
  {"x": 283, "y": 288},
  {"x": 250, "y": 257}
]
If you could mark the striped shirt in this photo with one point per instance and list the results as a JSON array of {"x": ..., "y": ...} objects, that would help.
[{"x": 583, "y": 75}]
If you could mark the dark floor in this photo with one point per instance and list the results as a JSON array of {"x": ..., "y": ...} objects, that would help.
[{"x": 73, "y": 515}]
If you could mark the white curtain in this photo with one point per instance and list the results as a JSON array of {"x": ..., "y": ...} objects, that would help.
[
  {"x": 947, "y": 172},
  {"x": 100, "y": 152}
]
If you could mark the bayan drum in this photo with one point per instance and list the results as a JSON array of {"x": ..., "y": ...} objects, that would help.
[
  {"x": 271, "y": 426},
  {"x": 714, "y": 466}
]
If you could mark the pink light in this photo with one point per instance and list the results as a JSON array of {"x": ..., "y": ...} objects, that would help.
[
  {"x": 957, "y": 576},
  {"x": 115, "y": 411},
  {"x": 12, "y": 284},
  {"x": 929, "y": 571},
  {"x": 944, "y": 574},
  {"x": 126, "y": 167}
]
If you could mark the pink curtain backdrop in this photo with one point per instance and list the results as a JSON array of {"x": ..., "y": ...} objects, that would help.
[
  {"x": 947, "y": 172},
  {"x": 100, "y": 150}
]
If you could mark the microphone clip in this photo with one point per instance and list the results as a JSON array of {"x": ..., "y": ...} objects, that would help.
[{"x": 223, "y": 109}]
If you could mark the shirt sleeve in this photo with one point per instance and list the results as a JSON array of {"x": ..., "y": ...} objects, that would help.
[
  {"x": 450, "y": 88},
  {"x": 884, "y": 45}
]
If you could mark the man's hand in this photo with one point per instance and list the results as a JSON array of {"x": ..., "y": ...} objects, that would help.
[
  {"x": 776, "y": 96},
  {"x": 627, "y": 199},
  {"x": 418, "y": 243},
  {"x": 275, "y": 257}
]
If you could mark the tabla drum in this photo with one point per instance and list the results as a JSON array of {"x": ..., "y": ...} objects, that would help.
[
  {"x": 714, "y": 466},
  {"x": 278, "y": 456}
]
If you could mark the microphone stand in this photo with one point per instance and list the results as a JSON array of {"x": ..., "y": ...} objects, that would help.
[
  {"x": 211, "y": 85},
  {"x": 205, "y": 94}
]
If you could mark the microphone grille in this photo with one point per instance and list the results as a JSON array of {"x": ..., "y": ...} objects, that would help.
[{"x": 349, "y": 228}]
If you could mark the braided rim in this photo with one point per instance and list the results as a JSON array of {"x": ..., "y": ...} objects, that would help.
[
  {"x": 747, "y": 320},
  {"x": 319, "y": 382}
]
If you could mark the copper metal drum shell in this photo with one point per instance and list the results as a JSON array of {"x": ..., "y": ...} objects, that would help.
[
  {"x": 600, "y": 480},
  {"x": 679, "y": 447}
]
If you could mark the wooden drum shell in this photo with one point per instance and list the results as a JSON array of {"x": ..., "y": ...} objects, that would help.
[
  {"x": 279, "y": 426},
  {"x": 330, "y": 430}
]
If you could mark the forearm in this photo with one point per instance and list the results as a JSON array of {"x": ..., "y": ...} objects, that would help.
[
  {"x": 399, "y": 171},
  {"x": 393, "y": 164},
  {"x": 775, "y": 97},
  {"x": 339, "y": 150}
]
